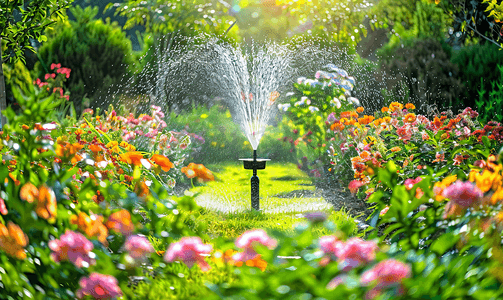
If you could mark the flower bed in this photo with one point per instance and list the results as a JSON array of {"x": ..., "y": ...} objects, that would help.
[{"x": 76, "y": 194}]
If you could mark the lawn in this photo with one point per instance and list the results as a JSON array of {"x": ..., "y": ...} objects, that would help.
[{"x": 283, "y": 189}]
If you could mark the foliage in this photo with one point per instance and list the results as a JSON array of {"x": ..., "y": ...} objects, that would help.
[
  {"x": 490, "y": 103},
  {"x": 21, "y": 22},
  {"x": 99, "y": 55},
  {"x": 172, "y": 16},
  {"x": 477, "y": 20},
  {"x": 306, "y": 113},
  {"x": 408, "y": 19},
  {"x": 216, "y": 133},
  {"x": 476, "y": 64},
  {"x": 422, "y": 73},
  {"x": 283, "y": 188},
  {"x": 16, "y": 74},
  {"x": 341, "y": 22}
]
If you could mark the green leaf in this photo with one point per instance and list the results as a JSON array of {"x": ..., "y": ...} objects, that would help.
[{"x": 444, "y": 243}]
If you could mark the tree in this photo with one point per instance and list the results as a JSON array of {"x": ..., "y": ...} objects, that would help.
[{"x": 20, "y": 23}]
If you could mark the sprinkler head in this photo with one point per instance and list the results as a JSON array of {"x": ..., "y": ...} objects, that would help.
[{"x": 254, "y": 164}]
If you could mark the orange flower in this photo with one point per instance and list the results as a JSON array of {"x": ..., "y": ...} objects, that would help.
[
  {"x": 120, "y": 221},
  {"x": 485, "y": 180},
  {"x": 394, "y": 106},
  {"x": 439, "y": 187},
  {"x": 46, "y": 204},
  {"x": 410, "y": 106},
  {"x": 384, "y": 109},
  {"x": 67, "y": 151},
  {"x": 395, "y": 149},
  {"x": 141, "y": 189},
  {"x": 387, "y": 119},
  {"x": 92, "y": 226},
  {"x": 113, "y": 146},
  {"x": 272, "y": 97},
  {"x": 132, "y": 158},
  {"x": 409, "y": 118},
  {"x": 497, "y": 196},
  {"x": 365, "y": 154},
  {"x": 28, "y": 192},
  {"x": 437, "y": 122},
  {"x": 13, "y": 240},
  {"x": 360, "y": 109},
  {"x": 95, "y": 148},
  {"x": 199, "y": 171},
  {"x": 257, "y": 262},
  {"x": 25, "y": 127},
  {"x": 162, "y": 161}
]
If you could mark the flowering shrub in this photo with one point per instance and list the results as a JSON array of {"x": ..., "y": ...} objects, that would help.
[
  {"x": 73, "y": 204},
  {"x": 313, "y": 104}
]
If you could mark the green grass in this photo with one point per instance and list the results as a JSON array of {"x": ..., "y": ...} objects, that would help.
[{"x": 283, "y": 188}]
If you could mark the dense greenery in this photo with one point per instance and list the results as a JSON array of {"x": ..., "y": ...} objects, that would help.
[
  {"x": 125, "y": 194},
  {"x": 99, "y": 55}
]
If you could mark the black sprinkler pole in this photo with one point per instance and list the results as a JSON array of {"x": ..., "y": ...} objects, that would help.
[
  {"x": 255, "y": 199},
  {"x": 254, "y": 164}
]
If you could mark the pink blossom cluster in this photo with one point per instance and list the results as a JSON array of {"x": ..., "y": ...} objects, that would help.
[
  {"x": 72, "y": 246},
  {"x": 190, "y": 250},
  {"x": 249, "y": 240},
  {"x": 138, "y": 246},
  {"x": 350, "y": 254},
  {"x": 99, "y": 286},
  {"x": 464, "y": 194},
  {"x": 385, "y": 274},
  {"x": 409, "y": 182}
]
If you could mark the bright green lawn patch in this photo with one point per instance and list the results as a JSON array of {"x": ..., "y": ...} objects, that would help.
[{"x": 283, "y": 188}]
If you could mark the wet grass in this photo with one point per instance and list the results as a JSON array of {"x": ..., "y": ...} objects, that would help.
[{"x": 283, "y": 189}]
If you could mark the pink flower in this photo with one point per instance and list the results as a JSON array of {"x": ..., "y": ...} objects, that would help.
[
  {"x": 384, "y": 211},
  {"x": 354, "y": 186},
  {"x": 190, "y": 250},
  {"x": 334, "y": 283},
  {"x": 248, "y": 240},
  {"x": 328, "y": 244},
  {"x": 385, "y": 274},
  {"x": 355, "y": 252},
  {"x": 425, "y": 136},
  {"x": 72, "y": 246},
  {"x": 54, "y": 66},
  {"x": 463, "y": 194},
  {"x": 138, "y": 246},
  {"x": 409, "y": 183},
  {"x": 404, "y": 132},
  {"x": 99, "y": 286}
]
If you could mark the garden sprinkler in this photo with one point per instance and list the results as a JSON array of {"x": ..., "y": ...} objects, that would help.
[{"x": 254, "y": 164}]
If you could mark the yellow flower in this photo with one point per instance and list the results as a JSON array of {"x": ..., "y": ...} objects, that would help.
[
  {"x": 485, "y": 180},
  {"x": 204, "y": 116},
  {"x": 113, "y": 146}
]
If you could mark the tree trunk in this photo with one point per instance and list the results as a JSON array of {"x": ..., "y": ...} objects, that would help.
[{"x": 3, "y": 95}]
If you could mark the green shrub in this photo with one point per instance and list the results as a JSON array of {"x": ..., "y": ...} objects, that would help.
[
  {"x": 220, "y": 139},
  {"x": 421, "y": 73},
  {"x": 477, "y": 62},
  {"x": 490, "y": 103},
  {"x": 16, "y": 74},
  {"x": 99, "y": 55}
]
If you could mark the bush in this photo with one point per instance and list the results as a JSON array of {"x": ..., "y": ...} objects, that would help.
[
  {"x": 477, "y": 70},
  {"x": 421, "y": 73},
  {"x": 16, "y": 74},
  {"x": 490, "y": 103},
  {"x": 217, "y": 134},
  {"x": 99, "y": 55}
]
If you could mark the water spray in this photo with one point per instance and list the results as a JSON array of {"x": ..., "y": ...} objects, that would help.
[{"x": 254, "y": 164}]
